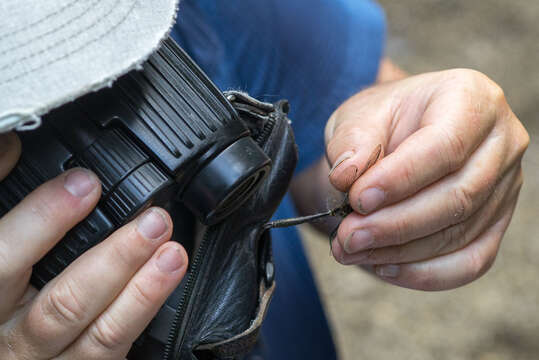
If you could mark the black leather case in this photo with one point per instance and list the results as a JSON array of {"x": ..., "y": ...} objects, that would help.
[{"x": 217, "y": 311}]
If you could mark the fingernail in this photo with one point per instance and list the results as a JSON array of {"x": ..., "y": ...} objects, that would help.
[
  {"x": 375, "y": 155},
  {"x": 345, "y": 156},
  {"x": 80, "y": 182},
  {"x": 170, "y": 259},
  {"x": 152, "y": 224},
  {"x": 358, "y": 240},
  {"x": 390, "y": 271},
  {"x": 370, "y": 199}
]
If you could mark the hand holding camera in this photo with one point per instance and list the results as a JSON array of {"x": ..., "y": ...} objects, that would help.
[
  {"x": 82, "y": 209},
  {"x": 82, "y": 314}
]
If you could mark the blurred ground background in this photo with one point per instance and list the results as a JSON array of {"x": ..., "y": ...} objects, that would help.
[{"x": 496, "y": 317}]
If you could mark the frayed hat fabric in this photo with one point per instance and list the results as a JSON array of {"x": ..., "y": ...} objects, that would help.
[{"x": 53, "y": 51}]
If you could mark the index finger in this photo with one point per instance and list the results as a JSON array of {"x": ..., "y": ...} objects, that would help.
[{"x": 442, "y": 145}]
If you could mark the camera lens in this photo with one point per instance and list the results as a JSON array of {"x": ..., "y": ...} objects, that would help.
[
  {"x": 243, "y": 191},
  {"x": 227, "y": 181}
]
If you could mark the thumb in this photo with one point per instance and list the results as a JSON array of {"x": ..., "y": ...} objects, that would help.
[{"x": 355, "y": 140}]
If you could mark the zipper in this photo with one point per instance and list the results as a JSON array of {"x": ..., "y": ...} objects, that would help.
[
  {"x": 189, "y": 285},
  {"x": 260, "y": 139},
  {"x": 266, "y": 131}
]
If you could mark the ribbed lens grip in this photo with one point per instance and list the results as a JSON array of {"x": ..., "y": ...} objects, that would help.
[{"x": 157, "y": 135}]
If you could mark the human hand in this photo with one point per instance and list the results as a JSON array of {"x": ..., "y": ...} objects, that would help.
[
  {"x": 431, "y": 213},
  {"x": 99, "y": 305}
]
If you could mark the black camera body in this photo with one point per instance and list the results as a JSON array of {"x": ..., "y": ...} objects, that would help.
[{"x": 159, "y": 135}]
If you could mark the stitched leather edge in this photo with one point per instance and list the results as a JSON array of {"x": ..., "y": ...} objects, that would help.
[{"x": 243, "y": 342}]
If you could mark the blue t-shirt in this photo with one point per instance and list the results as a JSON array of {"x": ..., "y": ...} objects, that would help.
[{"x": 315, "y": 53}]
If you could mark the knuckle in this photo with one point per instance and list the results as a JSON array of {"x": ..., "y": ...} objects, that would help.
[
  {"x": 141, "y": 295},
  {"x": 477, "y": 264},
  {"x": 373, "y": 256},
  {"x": 454, "y": 237},
  {"x": 488, "y": 186},
  {"x": 456, "y": 150},
  {"x": 497, "y": 94},
  {"x": 48, "y": 207},
  {"x": 480, "y": 261},
  {"x": 130, "y": 249},
  {"x": 524, "y": 143},
  {"x": 43, "y": 209},
  {"x": 398, "y": 255},
  {"x": 107, "y": 333},
  {"x": 63, "y": 303},
  {"x": 465, "y": 82},
  {"x": 122, "y": 253},
  {"x": 474, "y": 81},
  {"x": 460, "y": 79},
  {"x": 522, "y": 139},
  {"x": 400, "y": 232},
  {"x": 409, "y": 174},
  {"x": 387, "y": 255},
  {"x": 462, "y": 205},
  {"x": 426, "y": 280},
  {"x": 49, "y": 201},
  {"x": 469, "y": 78}
]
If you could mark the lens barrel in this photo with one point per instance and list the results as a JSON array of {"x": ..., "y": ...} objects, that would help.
[
  {"x": 184, "y": 123},
  {"x": 227, "y": 181},
  {"x": 160, "y": 134}
]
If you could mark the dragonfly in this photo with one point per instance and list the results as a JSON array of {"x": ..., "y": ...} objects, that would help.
[
  {"x": 341, "y": 210},
  {"x": 338, "y": 204}
]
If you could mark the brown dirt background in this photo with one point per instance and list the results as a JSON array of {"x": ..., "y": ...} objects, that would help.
[{"x": 496, "y": 317}]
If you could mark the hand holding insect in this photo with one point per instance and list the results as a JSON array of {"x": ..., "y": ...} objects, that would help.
[{"x": 431, "y": 213}]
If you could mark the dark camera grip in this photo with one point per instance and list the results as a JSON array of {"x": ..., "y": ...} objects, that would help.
[
  {"x": 82, "y": 237},
  {"x": 157, "y": 136},
  {"x": 21, "y": 181},
  {"x": 141, "y": 189},
  {"x": 130, "y": 184}
]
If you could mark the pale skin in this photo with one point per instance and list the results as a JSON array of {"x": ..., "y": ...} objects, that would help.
[
  {"x": 101, "y": 303},
  {"x": 431, "y": 212},
  {"x": 449, "y": 173}
]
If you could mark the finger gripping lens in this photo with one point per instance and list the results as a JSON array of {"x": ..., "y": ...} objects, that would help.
[{"x": 161, "y": 134}]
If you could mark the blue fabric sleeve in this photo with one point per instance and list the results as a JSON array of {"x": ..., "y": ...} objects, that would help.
[{"x": 315, "y": 53}]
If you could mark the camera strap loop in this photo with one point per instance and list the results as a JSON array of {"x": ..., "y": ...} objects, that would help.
[{"x": 245, "y": 103}]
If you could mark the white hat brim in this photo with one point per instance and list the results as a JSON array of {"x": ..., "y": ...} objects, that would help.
[{"x": 52, "y": 52}]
